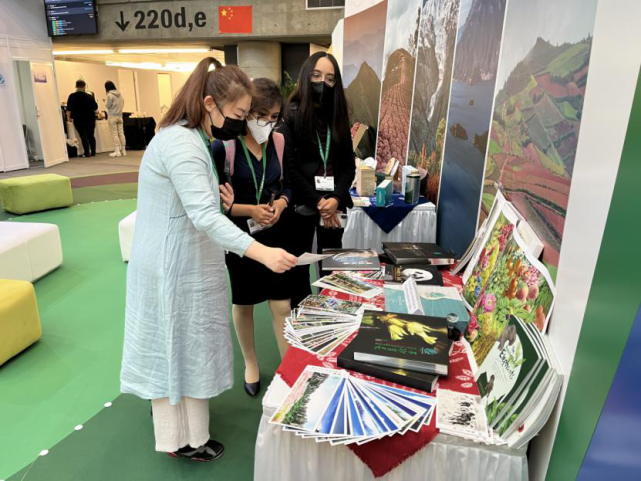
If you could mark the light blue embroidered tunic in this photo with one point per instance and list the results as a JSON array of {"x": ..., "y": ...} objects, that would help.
[{"x": 177, "y": 335}]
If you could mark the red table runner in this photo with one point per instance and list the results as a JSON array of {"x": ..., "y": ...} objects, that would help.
[{"x": 383, "y": 455}]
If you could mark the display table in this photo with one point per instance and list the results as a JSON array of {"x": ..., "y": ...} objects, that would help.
[
  {"x": 426, "y": 455},
  {"x": 139, "y": 131},
  {"x": 282, "y": 456},
  {"x": 361, "y": 232},
  {"x": 104, "y": 142}
]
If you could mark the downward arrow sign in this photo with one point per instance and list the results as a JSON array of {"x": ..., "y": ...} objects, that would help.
[{"x": 122, "y": 25}]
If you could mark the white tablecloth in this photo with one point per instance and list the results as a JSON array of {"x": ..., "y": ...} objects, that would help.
[
  {"x": 361, "y": 232},
  {"x": 282, "y": 456},
  {"x": 102, "y": 133}
]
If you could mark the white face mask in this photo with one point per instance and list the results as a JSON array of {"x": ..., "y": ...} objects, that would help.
[{"x": 260, "y": 134}]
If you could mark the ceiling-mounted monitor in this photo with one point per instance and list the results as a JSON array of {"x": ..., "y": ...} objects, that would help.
[{"x": 71, "y": 17}]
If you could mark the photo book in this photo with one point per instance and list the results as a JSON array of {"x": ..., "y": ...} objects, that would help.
[
  {"x": 351, "y": 260},
  {"x": 407, "y": 253},
  {"x": 518, "y": 378},
  {"x": 403, "y": 341},
  {"x": 413, "y": 379}
]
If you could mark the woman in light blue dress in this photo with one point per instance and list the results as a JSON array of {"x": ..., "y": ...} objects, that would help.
[{"x": 177, "y": 349}]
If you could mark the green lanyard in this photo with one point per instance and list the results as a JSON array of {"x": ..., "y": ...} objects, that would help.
[
  {"x": 324, "y": 155},
  {"x": 207, "y": 142},
  {"x": 259, "y": 192}
]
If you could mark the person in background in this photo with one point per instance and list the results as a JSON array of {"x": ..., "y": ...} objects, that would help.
[
  {"x": 177, "y": 350},
  {"x": 261, "y": 197},
  {"x": 319, "y": 159},
  {"x": 81, "y": 108},
  {"x": 115, "y": 104}
]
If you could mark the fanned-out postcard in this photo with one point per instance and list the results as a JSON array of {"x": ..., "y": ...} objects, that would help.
[
  {"x": 333, "y": 406},
  {"x": 349, "y": 284},
  {"x": 329, "y": 306},
  {"x": 319, "y": 332},
  {"x": 462, "y": 415}
]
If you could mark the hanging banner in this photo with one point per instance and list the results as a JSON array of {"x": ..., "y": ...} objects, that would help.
[
  {"x": 436, "y": 40},
  {"x": 401, "y": 44},
  {"x": 537, "y": 112},
  {"x": 363, "y": 44},
  {"x": 468, "y": 122}
]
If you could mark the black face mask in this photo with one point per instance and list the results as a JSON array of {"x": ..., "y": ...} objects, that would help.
[
  {"x": 231, "y": 129},
  {"x": 323, "y": 93}
]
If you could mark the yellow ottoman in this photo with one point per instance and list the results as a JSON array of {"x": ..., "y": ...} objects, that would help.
[
  {"x": 19, "y": 318},
  {"x": 33, "y": 193}
]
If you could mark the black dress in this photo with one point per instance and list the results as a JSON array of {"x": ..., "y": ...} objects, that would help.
[
  {"x": 252, "y": 282},
  {"x": 302, "y": 163}
]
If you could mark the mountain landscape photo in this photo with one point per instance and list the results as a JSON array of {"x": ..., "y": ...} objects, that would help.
[
  {"x": 363, "y": 49},
  {"x": 541, "y": 84},
  {"x": 534, "y": 137},
  {"x": 401, "y": 43},
  {"x": 436, "y": 41},
  {"x": 468, "y": 121}
]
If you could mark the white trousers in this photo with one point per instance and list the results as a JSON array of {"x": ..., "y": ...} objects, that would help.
[
  {"x": 117, "y": 133},
  {"x": 186, "y": 423}
]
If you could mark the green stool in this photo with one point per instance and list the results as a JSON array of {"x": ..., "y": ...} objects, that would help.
[{"x": 21, "y": 195}]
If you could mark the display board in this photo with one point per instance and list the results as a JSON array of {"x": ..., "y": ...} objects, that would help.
[
  {"x": 436, "y": 40},
  {"x": 401, "y": 43},
  {"x": 71, "y": 17},
  {"x": 537, "y": 112},
  {"x": 468, "y": 122},
  {"x": 363, "y": 44}
]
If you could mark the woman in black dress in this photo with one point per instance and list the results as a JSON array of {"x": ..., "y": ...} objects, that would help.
[
  {"x": 319, "y": 160},
  {"x": 252, "y": 164}
]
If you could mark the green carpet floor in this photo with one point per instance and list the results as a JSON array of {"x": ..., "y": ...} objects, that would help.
[{"x": 65, "y": 379}]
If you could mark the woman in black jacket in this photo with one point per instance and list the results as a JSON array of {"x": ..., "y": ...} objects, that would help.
[{"x": 319, "y": 159}]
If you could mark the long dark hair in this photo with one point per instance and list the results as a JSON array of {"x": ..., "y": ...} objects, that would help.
[
  {"x": 224, "y": 84},
  {"x": 304, "y": 97},
  {"x": 109, "y": 86}
]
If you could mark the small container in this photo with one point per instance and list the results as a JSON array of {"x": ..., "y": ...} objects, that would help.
[
  {"x": 412, "y": 188},
  {"x": 452, "y": 329}
]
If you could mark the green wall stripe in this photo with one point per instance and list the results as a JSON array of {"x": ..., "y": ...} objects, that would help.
[{"x": 612, "y": 305}]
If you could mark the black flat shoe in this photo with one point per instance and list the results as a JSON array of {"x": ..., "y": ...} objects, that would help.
[
  {"x": 207, "y": 452},
  {"x": 252, "y": 388}
]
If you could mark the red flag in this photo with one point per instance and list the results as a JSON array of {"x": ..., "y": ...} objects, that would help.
[{"x": 234, "y": 19}]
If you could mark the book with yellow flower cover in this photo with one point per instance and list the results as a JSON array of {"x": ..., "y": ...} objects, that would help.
[{"x": 403, "y": 341}]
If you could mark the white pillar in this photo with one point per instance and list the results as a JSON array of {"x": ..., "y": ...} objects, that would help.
[{"x": 260, "y": 59}]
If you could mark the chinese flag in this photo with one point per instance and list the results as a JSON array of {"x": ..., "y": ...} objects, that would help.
[{"x": 234, "y": 19}]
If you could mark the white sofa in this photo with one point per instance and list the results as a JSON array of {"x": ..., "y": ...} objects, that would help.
[
  {"x": 126, "y": 229},
  {"x": 28, "y": 251}
]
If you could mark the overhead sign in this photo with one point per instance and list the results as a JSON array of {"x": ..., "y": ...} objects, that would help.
[
  {"x": 167, "y": 18},
  {"x": 147, "y": 21}
]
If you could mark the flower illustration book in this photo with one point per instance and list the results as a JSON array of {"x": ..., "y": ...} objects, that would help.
[{"x": 518, "y": 285}]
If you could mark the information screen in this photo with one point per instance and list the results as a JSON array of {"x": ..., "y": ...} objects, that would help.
[{"x": 71, "y": 17}]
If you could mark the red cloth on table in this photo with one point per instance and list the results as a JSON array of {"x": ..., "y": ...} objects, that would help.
[{"x": 383, "y": 455}]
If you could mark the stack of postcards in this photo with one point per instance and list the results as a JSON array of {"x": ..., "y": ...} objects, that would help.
[
  {"x": 331, "y": 405},
  {"x": 321, "y": 323},
  {"x": 349, "y": 283}
]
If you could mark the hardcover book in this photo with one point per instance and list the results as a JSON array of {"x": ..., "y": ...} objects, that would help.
[
  {"x": 403, "y": 341},
  {"x": 417, "y": 380},
  {"x": 351, "y": 260},
  {"x": 403, "y": 253}
]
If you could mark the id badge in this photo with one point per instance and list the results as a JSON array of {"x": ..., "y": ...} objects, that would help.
[
  {"x": 255, "y": 226},
  {"x": 324, "y": 184}
]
